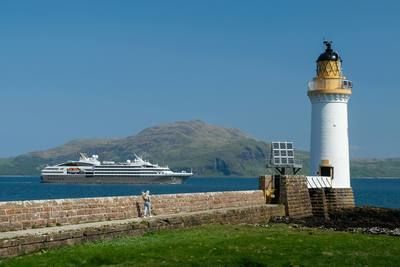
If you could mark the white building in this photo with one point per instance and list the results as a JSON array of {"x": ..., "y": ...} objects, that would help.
[{"x": 329, "y": 93}]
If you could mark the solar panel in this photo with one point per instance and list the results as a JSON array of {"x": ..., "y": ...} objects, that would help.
[
  {"x": 282, "y": 158},
  {"x": 282, "y": 153}
]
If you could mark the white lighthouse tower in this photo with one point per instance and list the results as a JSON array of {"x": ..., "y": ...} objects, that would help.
[{"x": 329, "y": 93}]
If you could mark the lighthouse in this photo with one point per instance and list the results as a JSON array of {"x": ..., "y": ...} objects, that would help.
[{"x": 329, "y": 92}]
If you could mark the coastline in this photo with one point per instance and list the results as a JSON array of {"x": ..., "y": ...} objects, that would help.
[
  {"x": 377, "y": 178},
  {"x": 203, "y": 176}
]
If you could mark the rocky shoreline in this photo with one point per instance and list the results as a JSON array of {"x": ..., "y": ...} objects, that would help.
[{"x": 368, "y": 220}]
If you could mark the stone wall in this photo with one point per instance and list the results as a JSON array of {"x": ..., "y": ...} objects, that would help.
[
  {"x": 47, "y": 238},
  {"x": 327, "y": 200},
  {"x": 318, "y": 202},
  {"x": 292, "y": 191},
  {"x": 301, "y": 201},
  {"x": 339, "y": 198},
  {"x": 18, "y": 215}
]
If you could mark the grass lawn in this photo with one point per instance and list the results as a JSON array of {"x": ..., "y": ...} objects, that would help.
[{"x": 227, "y": 245}]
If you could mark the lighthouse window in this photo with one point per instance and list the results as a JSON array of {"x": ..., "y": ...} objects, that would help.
[
  {"x": 276, "y": 145},
  {"x": 326, "y": 171},
  {"x": 283, "y": 153},
  {"x": 284, "y": 160},
  {"x": 283, "y": 145},
  {"x": 289, "y": 146},
  {"x": 276, "y": 153},
  {"x": 290, "y": 153},
  {"x": 290, "y": 160},
  {"x": 276, "y": 161}
]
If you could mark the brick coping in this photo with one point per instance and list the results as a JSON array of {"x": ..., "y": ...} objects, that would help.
[{"x": 60, "y": 200}]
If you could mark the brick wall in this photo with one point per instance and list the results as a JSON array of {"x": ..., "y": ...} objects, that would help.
[{"x": 18, "y": 215}]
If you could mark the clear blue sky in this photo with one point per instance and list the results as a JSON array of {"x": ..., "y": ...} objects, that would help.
[{"x": 93, "y": 69}]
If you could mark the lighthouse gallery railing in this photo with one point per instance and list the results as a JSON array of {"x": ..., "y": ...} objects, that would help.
[{"x": 331, "y": 84}]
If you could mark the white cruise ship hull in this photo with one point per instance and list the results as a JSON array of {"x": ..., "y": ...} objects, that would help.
[
  {"x": 108, "y": 179},
  {"x": 89, "y": 170}
]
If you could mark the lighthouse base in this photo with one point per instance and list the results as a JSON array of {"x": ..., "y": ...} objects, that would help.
[
  {"x": 327, "y": 200},
  {"x": 302, "y": 202},
  {"x": 339, "y": 198}
]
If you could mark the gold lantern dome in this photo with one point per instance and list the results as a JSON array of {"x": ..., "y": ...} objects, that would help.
[{"x": 329, "y": 79}]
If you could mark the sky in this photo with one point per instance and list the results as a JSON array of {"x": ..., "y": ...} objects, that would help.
[{"x": 99, "y": 69}]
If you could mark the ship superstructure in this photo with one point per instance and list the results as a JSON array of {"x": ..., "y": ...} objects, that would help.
[{"x": 91, "y": 170}]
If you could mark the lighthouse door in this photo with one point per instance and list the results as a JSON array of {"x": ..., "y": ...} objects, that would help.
[{"x": 326, "y": 171}]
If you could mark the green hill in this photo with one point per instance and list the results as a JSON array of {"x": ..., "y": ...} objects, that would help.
[
  {"x": 208, "y": 149},
  {"x": 375, "y": 167}
]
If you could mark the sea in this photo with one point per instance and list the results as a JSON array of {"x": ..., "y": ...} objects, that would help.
[{"x": 378, "y": 192}]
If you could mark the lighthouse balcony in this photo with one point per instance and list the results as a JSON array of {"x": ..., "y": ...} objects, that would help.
[{"x": 330, "y": 85}]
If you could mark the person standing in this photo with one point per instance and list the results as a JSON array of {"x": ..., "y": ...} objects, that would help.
[{"x": 147, "y": 203}]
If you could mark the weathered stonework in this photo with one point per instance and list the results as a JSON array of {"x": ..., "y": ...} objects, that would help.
[
  {"x": 292, "y": 191},
  {"x": 19, "y": 215},
  {"x": 318, "y": 202},
  {"x": 28, "y": 241},
  {"x": 339, "y": 198},
  {"x": 327, "y": 200}
]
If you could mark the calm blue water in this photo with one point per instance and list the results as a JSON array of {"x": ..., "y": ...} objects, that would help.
[{"x": 372, "y": 192}]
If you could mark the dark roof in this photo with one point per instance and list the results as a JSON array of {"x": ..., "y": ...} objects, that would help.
[{"x": 329, "y": 54}]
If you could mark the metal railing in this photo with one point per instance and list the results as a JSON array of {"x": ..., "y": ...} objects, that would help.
[
  {"x": 330, "y": 83},
  {"x": 319, "y": 181}
]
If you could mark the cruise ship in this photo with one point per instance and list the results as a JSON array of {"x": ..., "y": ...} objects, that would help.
[{"x": 89, "y": 170}]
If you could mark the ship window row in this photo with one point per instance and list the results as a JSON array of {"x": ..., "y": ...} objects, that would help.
[
  {"x": 118, "y": 166},
  {"x": 125, "y": 166},
  {"x": 126, "y": 169},
  {"x": 76, "y": 164},
  {"x": 132, "y": 173}
]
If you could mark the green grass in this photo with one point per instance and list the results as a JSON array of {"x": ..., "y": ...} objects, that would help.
[{"x": 227, "y": 245}]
